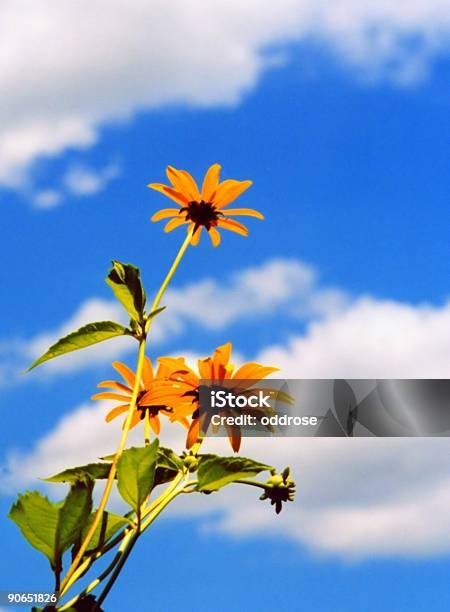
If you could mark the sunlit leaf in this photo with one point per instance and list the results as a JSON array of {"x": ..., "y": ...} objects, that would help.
[
  {"x": 216, "y": 472},
  {"x": 73, "y": 515},
  {"x": 90, "y": 334},
  {"x": 108, "y": 526},
  {"x": 125, "y": 281},
  {"x": 83, "y": 473},
  {"x": 37, "y": 519},
  {"x": 136, "y": 473},
  {"x": 168, "y": 466}
]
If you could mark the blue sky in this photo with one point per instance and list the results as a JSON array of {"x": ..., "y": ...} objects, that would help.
[{"x": 352, "y": 175}]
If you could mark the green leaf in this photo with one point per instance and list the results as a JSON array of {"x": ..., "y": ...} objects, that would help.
[
  {"x": 90, "y": 334},
  {"x": 125, "y": 281},
  {"x": 51, "y": 527},
  {"x": 82, "y": 473},
  {"x": 216, "y": 472},
  {"x": 73, "y": 515},
  {"x": 37, "y": 519},
  {"x": 108, "y": 526},
  {"x": 136, "y": 473},
  {"x": 168, "y": 466},
  {"x": 155, "y": 312},
  {"x": 167, "y": 458}
]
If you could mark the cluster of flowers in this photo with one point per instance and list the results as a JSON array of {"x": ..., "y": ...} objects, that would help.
[{"x": 172, "y": 390}]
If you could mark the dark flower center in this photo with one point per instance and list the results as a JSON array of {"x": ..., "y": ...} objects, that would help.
[
  {"x": 202, "y": 214},
  {"x": 152, "y": 410}
]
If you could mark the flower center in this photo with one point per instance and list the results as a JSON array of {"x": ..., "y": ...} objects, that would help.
[
  {"x": 152, "y": 410},
  {"x": 201, "y": 214}
]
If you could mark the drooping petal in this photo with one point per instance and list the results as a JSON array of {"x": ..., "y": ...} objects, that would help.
[
  {"x": 228, "y": 191},
  {"x": 210, "y": 182},
  {"x": 164, "y": 213},
  {"x": 171, "y": 193},
  {"x": 184, "y": 422},
  {"x": 116, "y": 411},
  {"x": 215, "y": 236},
  {"x": 125, "y": 372},
  {"x": 234, "y": 436},
  {"x": 174, "y": 223},
  {"x": 135, "y": 418},
  {"x": 155, "y": 424},
  {"x": 249, "y": 212},
  {"x": 193, "y": 433},
  {"x": 196, "y": 236},
  {"x": 233, "y": 226}
]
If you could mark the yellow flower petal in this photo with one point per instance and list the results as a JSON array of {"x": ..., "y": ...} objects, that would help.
[
  {"x": 115, "y": 412},
  {"x": 210, "y": 182},
  {"x": 196, "y": 237},
  {"x": 155, "y": 424},
  {"x": 191, "y": 186},
  {"x": 174, "y": 195},
  {"x": 125, "y": 372},
  {"x": 229, "y": 191},
  {"x": 165, "y": 213},
  {"x": 112, "y": 384},
  {"x": 147, "y": 373},
  {"x": 174, "y": 223},
  {"x": 250, "y": 212},
  {"x": 184, "y": 183},
  {"x": 108, "y": 395},
  {"x": 215, "y": 236},
  {"x": 233, "y": 226}
]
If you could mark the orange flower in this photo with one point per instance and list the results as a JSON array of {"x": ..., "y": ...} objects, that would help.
[
  {"x": 152, "y": 397},
  {"x": 205, "y": 208},
  {"x": 216, "y": 369}
]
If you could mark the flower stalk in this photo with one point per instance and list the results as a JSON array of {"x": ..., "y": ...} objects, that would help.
[
  {"x": 127, "y": 424},
  {"x": 171, "y": 390}
]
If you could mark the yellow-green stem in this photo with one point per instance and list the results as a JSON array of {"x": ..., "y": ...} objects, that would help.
[
  {"x": 127, "y": 546},
  {"x": 146, "y": 428},
  {"x": 126, "y": 427},
  {"x": 125, "y": 536}
]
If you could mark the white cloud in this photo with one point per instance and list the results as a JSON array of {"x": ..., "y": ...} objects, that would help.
[
  {"x": 47, "y": 199},
  {"x": 371, "y": 339},
  {"x": 356, "y": 497},
  {"x": 286, "y": 287},
  {"x": 87, "y": 64},
  {"x": 394, "y": 335},
  {"x": 82, "y": 181},
  {"x": 79, "y": 181}
]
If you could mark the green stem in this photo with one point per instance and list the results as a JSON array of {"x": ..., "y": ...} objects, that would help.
[
  {"x": 128, "y": 547},
  {"x": 125, "y": 535},
  {"x": 253, "y": 483},
  {"x": 123, "y": 557},
  {"x": 126, "y": 427}
]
